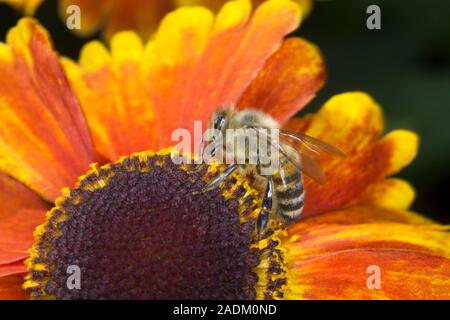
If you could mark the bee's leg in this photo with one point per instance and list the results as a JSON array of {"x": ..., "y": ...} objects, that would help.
[
  {"x": 196, "y": 168},
  {"x": 267, "y": 205},
  {"x": 219, "y": 179}
]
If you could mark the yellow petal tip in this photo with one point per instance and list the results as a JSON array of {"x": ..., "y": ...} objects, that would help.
[
  {"x": 126, "y": 45},
  {"x": 94, "y": 55},
  {"x": 405, "y": 145}
]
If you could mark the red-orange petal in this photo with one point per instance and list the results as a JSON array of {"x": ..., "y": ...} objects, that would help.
[
  {"x": 215, "y": 5},
  {"x": 327, "y": 235},
  {"x": 328, "y": 256},
  {"x": 17, "y": 267},
  {"x": 117, "y": 107},
  {"x": 141, "y": 16},
  {"x": 21, "y": 211},
  {"x": 364, "y": 214},
  {"x": 353, "y": 122},
  {"x": 288, "y": 81},
  {"x": 135, "y": 98},
  {"x": 349, "y": 179},
  {"x": 44, "y": 141},
  {"x": 218, "y": 67},
  {"x": 11, "y": 288},
  {"x": 344, "y": 275}
]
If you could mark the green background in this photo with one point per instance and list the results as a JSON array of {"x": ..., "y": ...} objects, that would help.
[{"x": 405, "y": 66}]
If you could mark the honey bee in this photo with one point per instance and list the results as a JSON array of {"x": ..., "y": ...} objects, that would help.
[{"x": 284, "y": 189}]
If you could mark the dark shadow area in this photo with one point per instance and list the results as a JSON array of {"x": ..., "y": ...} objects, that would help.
[{"x": 405, "y": 66}]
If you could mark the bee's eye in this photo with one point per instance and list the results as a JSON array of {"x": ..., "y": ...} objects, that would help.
[{"x": 219, "y": 122}]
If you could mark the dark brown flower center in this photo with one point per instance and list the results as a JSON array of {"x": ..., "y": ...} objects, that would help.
[{"x": 135, "y": 230}]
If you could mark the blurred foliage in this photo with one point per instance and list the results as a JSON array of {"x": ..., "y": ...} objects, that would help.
[{"x": 405, "y": 66}]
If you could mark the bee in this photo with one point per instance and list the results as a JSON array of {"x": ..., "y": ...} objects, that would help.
[{"x": 284, "y": 194}]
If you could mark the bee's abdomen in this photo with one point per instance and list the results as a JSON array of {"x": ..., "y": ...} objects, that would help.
[
  {"x": 290, "y": 196},
  {"x": 291, "y": 192},
  {"x": 291, "y": 199}
]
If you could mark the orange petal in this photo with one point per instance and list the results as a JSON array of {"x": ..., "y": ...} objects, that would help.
[
  {"x": 12, "y": 268},
  {"x": 348, "y": 180},
  {"x": 11, "y": 288},
  {"x": 299, "y": 124},
  {"x": 403, "y": 145},
  {"x": 353, "y": 122},
  {"x": 345, "y": 274},
  {"x": 44, "y": 141},
  {"x": 327, "y": 235},
  {"x": 113, "y": 96},
  {"x": 218, "y": 65},
  {"x": 328, "y": 258},
  {"x": 141, "y": 16},
  {"x": 215, "y": 5},
  {"x": 21, "y": 211},
  {"x": 288, "y": 81},
  {"x": 389, "y": 193},
  {"x": 364, "y": 214},
  {"x": 195, "y": 63}
]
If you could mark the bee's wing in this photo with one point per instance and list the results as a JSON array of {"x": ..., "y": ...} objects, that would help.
[
  {"x": 278, "y": 147},
  {"x": 316, "y": 146},
  {"x": 308, "y": 146},
  {"x": 313, "y": 169},
  {"x": 309, "y": 166}
]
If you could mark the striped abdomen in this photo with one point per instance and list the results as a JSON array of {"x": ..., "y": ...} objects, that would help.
[{"x": 289, "y": 193}]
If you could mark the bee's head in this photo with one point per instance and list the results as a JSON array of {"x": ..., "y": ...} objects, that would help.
[{"x": 219, "y": 120}]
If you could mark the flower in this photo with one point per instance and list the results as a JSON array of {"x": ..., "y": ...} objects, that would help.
[
  {"x": 139, "y": 214},
  {"x": 140, "y": 16},
  {"x": 28, "y": 7}
]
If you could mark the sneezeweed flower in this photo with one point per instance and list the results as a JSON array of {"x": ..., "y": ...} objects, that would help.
[
  {"x": 27, "y": 7},
  {"x": 134, "y": 226},
  {"x": 142, "y": 16}
]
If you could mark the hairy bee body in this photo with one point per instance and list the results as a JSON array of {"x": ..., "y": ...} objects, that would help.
[
  {"x": 284, "y": 194},
  {"x": 288, "y": 196}
]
